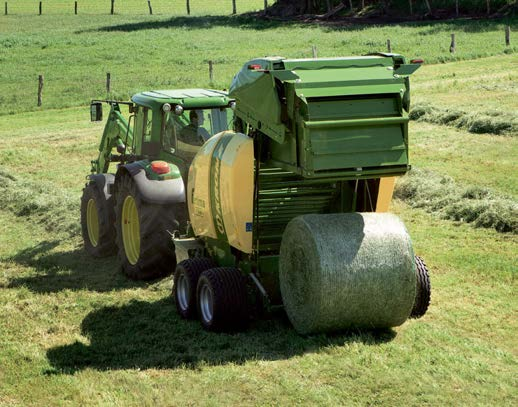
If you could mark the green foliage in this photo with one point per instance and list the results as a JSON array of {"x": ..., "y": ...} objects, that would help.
[{"x": 443, "y": 196}]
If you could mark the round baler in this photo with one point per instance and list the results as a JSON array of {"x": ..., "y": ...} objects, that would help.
[{"x": 295, "y": 199}]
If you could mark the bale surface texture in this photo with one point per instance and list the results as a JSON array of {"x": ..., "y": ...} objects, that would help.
[{"x": 340, "y": 271}]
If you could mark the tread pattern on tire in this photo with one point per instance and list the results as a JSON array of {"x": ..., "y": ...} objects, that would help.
[
  {"x": 106, "y": 215},
  {"x": 423, "y": 291},
  {"x": 192, "y": 269},
  {"x": 230, "y": 311},
  {"x": 157, "y": 255}
]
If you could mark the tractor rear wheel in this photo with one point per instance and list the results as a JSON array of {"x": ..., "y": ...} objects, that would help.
[
  {"x": 186, "y": 278},
  {"x": 145, "y": 249},
  {"x": 423, "y": 290},
  {"x": 222, "y": 299},
  {"x": 97, "y": 218}
]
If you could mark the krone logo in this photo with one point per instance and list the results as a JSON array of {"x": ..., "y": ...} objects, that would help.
[{"x": 218, "y": 154}]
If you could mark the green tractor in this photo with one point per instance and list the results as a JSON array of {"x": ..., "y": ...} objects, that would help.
[
  {"x": 132, "y": 207},
  {"x": 282, "y": 203}
]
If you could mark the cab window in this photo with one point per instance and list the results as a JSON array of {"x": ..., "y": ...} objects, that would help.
[{"x": 184, "y": 134}]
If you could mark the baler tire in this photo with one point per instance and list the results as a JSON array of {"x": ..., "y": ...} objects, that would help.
[
  {"x": 222, "y": 300},
  {"x": 155, "y": 253},
  {"x": 100, "y": 241},
  {"x": 423, "y": 289},
  {"x": 186, "y": 278}
]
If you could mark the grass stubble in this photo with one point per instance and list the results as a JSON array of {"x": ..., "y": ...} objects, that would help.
[{"x": 74, "y": 331}]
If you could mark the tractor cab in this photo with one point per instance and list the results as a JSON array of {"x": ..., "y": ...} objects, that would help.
[
  {"x": 166, "y": 125},
  {"x": 177, "y": 122}
]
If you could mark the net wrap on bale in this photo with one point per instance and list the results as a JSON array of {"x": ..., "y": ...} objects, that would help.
[{"x": 339, "y": 271}]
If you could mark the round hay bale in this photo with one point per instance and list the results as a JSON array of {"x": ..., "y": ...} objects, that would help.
[{"x": 346, "y": 270}]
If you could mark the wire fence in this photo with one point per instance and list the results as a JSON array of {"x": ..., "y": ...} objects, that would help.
[{"x": 135, "y": 7}]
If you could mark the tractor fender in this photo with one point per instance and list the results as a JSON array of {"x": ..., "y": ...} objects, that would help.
[
  {"x": 104, "y": 182},
  {"x": 160, "y": 192}
]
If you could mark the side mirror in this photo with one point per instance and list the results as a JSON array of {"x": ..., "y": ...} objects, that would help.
[{"x": 96, "y": 111}]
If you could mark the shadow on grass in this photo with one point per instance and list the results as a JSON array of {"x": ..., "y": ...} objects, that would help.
[
  {"x": 243, "y": 21},
  {"x": 72, "y": 270},
  {"x": 354, "y": 24},
  {"x": 143, "y": 335}
]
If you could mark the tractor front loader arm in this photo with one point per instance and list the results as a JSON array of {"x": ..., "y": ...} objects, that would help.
[{"x": 117, "y": 134}]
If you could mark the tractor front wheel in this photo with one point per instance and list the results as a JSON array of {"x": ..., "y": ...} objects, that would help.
[
  {"x": 97, "y": 217},
  {"x": 145, "y": 249}
]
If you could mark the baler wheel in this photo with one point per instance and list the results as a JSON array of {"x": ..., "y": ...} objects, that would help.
[
  {"x": 186, "y": 278},
  {"x": 145, "y": 249},
  {"x": 97, "y": 218},
  {"x": 423, "y": 290},
  {"x": 222, "y": 299}
]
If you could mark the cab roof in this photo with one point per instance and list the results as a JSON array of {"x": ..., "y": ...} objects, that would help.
[{"x": 187, "y": 98}]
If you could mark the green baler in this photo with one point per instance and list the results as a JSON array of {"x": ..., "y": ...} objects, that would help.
[{"x": 295, "y": 199}]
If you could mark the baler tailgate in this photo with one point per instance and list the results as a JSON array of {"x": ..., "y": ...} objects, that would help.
[{"x": 355, "y": 132}]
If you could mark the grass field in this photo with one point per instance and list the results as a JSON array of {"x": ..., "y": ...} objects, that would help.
[
  {"x": 143, "y": 52},
  {"x": 74, "y": 331}
]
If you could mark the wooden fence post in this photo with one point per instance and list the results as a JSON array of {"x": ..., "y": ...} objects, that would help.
[
  {"x": 40, "y": 8},
  {"x": 40, "y": 88},
  {"x": 452, "y": 45},
  {"x": 75, "y": 8},
  {"x": 108, "y": 82},
  {"x": 5, "y": 8},
  {"x": 149, "y": 5},
  {"x": 211, "y": 72},
  {"x": 234, "y": 11},
  {"x": 314, "y": 51},
  {"x": 508, "y": 36},
  {"x": 188, "y": 5},
  {"x": 112, "y": 10},
  {"x": 389, "y": 48}
]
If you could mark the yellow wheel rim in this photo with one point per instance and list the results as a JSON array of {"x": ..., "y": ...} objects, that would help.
[
  {"x": 130, "y": 230},
  {"x": 92, "y": 223}
]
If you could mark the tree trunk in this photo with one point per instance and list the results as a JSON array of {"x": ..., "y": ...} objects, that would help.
[{"x": 428, "y": 6}]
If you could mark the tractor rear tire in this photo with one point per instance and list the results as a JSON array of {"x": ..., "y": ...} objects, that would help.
[
  {"x": 145, "y": 248},
  {"x": 423, "y": 289},
  {"x": 186, "y": 278},
  {"x": 97, "y": 222},
  {"x": 222, "y": 299}
]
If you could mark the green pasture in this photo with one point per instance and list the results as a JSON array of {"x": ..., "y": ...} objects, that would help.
[
  {"x": 74, "y": 53},
  {"x": 132, "y": 7},
  {"x": 74, "y": 331}
]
